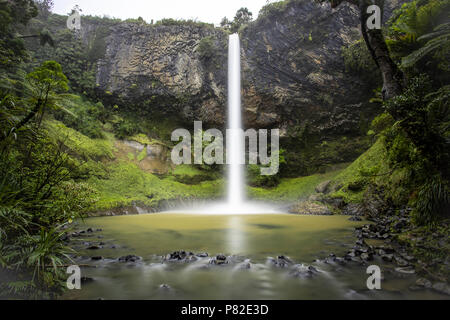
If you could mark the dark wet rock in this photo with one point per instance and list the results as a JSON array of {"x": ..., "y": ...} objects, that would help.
[
  {"x": 191, "y": 258},
  {"x": 89, "y": 230},
  {"x": 323, "y": 187},
  {"x": 415, "y": 288},
  {"x": 245, "y": 265},
  {"x": 332, "y": 259},
  {"x": 85, "y": 280},
  {"x": 340, "y": 260},
  {"x": 400, "y": 261},
  {"x": 316, "y": 197},
  {"x": 441, "y": 287},
  {"x": 303, "y": 271},
  {"x": 386, "y": 248},
  {"x": 387, "y": 257},
  {"x": 355, "y": 218},
  {"x": 130, "y": 258},
  {"x": 220, "y": 259},
  {"x": 356, "y": 185},
  {"x": 202, "y": 255},
  {"x": 353, "y": 209},
  {"x": 357, "y": 260},
  {"x": 93, "y": 247},
  {"x": 165, "y": 287},
  {"x": 280, "y": 261},
  {"x": 408, "y": 258},
  {"x": 96, "y": 258},
  {"x": 422, "y": 282},
  {"x": 177, "y": 255},
  {"x": 405, "y": 270},
  {"x": 366, "y": 256},
  {"x": 334, "y": 202}
]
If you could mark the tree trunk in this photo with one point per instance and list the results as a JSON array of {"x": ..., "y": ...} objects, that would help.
[
  {"x": 24, "y": 121},
  {"x": 374, "y": 39}
]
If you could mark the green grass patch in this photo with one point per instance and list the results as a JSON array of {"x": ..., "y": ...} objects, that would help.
[
  {"x": 351, "y": 182},
  {"x": 127, "y": 184},
  {"x": 291, "y": 189},
  {"x": 81, "y": 144}
]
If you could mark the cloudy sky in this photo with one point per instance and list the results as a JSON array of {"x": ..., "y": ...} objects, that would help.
[{"x": 211, "y": 11}]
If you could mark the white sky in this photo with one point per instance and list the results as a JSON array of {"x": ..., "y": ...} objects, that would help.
[{"x": 211, "y": 11}]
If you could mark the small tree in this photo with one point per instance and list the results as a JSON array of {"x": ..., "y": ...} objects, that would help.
[
  {"x": 44, "y": 7},
  {"x": 225, "y": 23},
  {"x": 243, "y": 16},
  {"x": 45, "y": 81},
  {"x": 374, "y": 39}
]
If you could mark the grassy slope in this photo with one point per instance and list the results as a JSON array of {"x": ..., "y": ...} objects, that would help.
[
  {"x": 291, "y": 189},
  {"x": 121, "y": 182},
  {"x": 369, "y": 162},
  {"x": 371, "y": 168}
]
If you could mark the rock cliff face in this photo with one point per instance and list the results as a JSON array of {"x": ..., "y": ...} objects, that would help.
[
  {"x": 293, "y": 70},
  {"x": 160, "y": 67}
]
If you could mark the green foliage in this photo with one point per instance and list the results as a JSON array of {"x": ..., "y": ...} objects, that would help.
[
  {"x": 128, "y": 185},
  {"x": 242, "y": 18},
  {"x": 48, "y": 77},
  {"x": 178, "y": 22},
  {"x": 85, "y": 116},
  {"x": 190, "y": 174},
  {"x": 255, "y": 179},
  {"x": 433, "y": 202},
  {"x": 38, "y": 191},
  {"x": 438, "y": 42},
  {"x": 124, "y": 128},
  {"x": 351, "y": 183},
  {"x": 207, "y": 49},
  {"x": 272, "y": 9},
  {"x": 357, "y": 59},
  {"x": 290, "y": 189},
  {"x": 382, "y": 122},
  {"x": 12, "y": 49},
  {"x": 423, "y": 117},
  {"x": 417, "y": 30},
  {"x": 80, "y": 144}
]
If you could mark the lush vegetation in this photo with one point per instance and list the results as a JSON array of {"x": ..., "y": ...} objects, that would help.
[
  {"x": 59, "y": 154},
  {"x": 242, "y": 18},
  {"x": 411, "y": 156},
  {"x": 67, "y": 151}
]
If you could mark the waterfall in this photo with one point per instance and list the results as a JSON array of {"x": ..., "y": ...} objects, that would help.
[
  {"x": 236, "y": 202},
  {"x": 235, "y": 140}
]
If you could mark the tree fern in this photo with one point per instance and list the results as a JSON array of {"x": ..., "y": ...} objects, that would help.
[{"x": 438, "y": 41}]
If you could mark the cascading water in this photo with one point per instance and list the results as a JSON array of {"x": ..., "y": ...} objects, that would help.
[
  {"x": 236, "y": 202},
  {"x": 235, "y": 141}
]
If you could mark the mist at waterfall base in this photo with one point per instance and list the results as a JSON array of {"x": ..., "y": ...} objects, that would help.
[{"x": 236, "y": 202}]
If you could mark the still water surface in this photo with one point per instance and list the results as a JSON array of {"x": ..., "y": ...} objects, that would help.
[{"x": 249, "y": 238}]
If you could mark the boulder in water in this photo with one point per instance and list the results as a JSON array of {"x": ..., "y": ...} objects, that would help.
[
  {"x": 304, "y": 271},
  {"x": 130, "y": 258}
]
